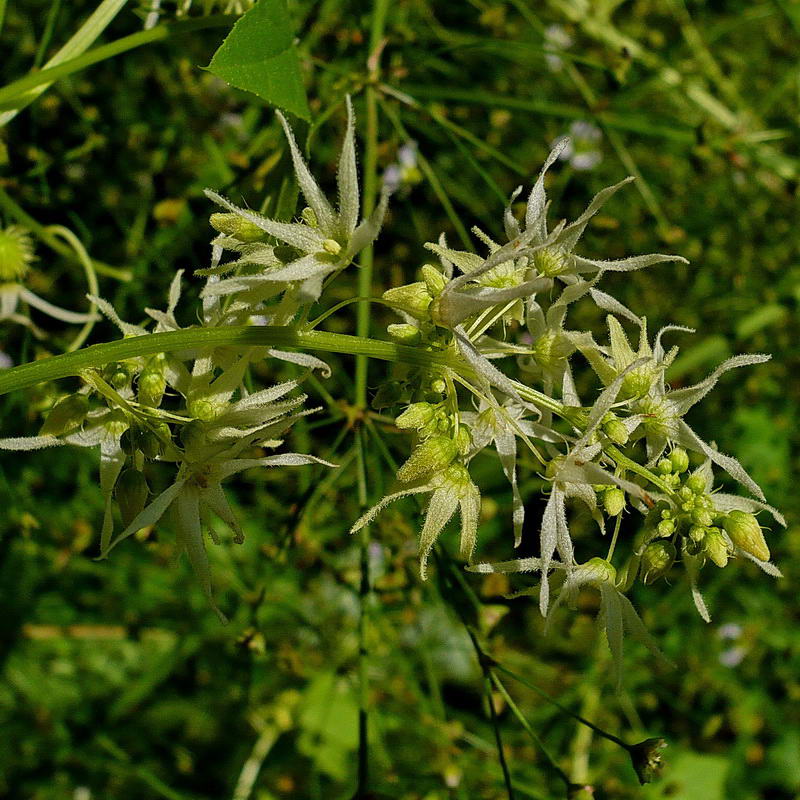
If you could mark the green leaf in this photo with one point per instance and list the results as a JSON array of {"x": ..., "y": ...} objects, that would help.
[{"x": 259, "y": 56}]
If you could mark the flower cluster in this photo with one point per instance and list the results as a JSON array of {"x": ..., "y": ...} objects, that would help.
[{"x": 493, "y": 371}]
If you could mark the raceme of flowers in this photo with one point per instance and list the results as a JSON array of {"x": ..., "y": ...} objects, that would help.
[{"x": 500, "y": 317}]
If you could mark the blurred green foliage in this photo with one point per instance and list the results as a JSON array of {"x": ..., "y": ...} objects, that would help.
[{"x": 117, "y": 680}]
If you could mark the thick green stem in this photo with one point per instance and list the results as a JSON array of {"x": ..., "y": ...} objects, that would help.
[{"x": 70, "y": 364}]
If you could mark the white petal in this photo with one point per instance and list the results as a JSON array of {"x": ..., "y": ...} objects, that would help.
[
  {"x": 308, "y": 186},
  {"x": 688, "y": 438},
  {"x": 347, "y": 177},
  {"x": 441, "y": 508},
  {"x": 684, "y": 399},
  {"x": 149, "y": 515}
]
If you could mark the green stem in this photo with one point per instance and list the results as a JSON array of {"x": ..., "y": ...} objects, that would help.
[
  {"x": 71, "y": 364},
  {"x": 16, "y": 90}
]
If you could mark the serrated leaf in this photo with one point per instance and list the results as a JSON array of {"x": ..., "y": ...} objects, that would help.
[{"x": 259, "y": 56}]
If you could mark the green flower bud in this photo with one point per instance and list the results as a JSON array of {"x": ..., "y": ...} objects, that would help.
[
  {"x": 697, "y": 483},
  {"x": 745, "y": 532},
  {"x": 404, "y": 333},
  {"x": 665, "y": 466},
  {"x": 702, "y": 517},
  {"x": 685, "y": 493},
  {"x": 237, "y": 227},
  {"x": 613, "y": 501},
  {"x": 598, "y": 570},
  {"x": 552, "y": 349},
  {"x": 697, "y": 533},
  {"x": 665, "y": 528},
  {"x": 120, "y": 378},
  {"x": 637, "y": 383},
  {"x": 131, "y": 492},
  {"x": 463, "y": 440},
  {"x": 415, "y": 416},
  {"x": 66, "y": 415},
  {"x": 616, "y": 431},
  {"x": 646, "y": 759},
  {"x": 151, "y": 387},
  {"x": 413, "y": 298},
  {"x": 657, "y": 559},
  {"x": 201, "y": 409},
  {"x": 716, "y": 548},
  {"x": 550, "y": 261},
  {"x": 680, "y": 460},
  {"x": 429, "y": 457},
  {"x": 434, "y": 280}
]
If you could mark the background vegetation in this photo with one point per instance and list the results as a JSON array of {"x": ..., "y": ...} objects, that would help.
[{"x": 119, "y": 682}]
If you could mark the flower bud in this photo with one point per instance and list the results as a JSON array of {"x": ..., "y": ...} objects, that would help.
[
  {"x": 66, "y": 415},
  {"x": 613, "y": 501},
  {"x": 597, "y": 570},
  {"x": 413, "y": 298},
  {"x": 616, "y": 431},
  {"x": 415, "y": 416},
  {"x": 550, "y": 261},
  {"x": 552, "y": 349},
  {"x": 434, "y": 280},
  {"x": 151, "y": 387},
  {"x": 463, "y": 441},
  {"x": 697, "y": 533},
  {"x": 657, "y": 559},
  {"x": 646, "y": 759},
  {"x": 665, "y": 528},
  {"x": 697, "y": 483},
  {"x": 131, "y": 491},
  {"x": 665, "y": 466},
  {"x": 237, "y": 227},
  {"x": 430, "y": 456},
  {"x": 680, "y": 460},
  {"x": 702, "y": 517},
  {"x": 745, "y": 532},
  {"x": 404, "y": 333},
  {"x": 201, "y": 409},
  {"x": 637, "y": 382},
  {"x": 716, "y": 548}
]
